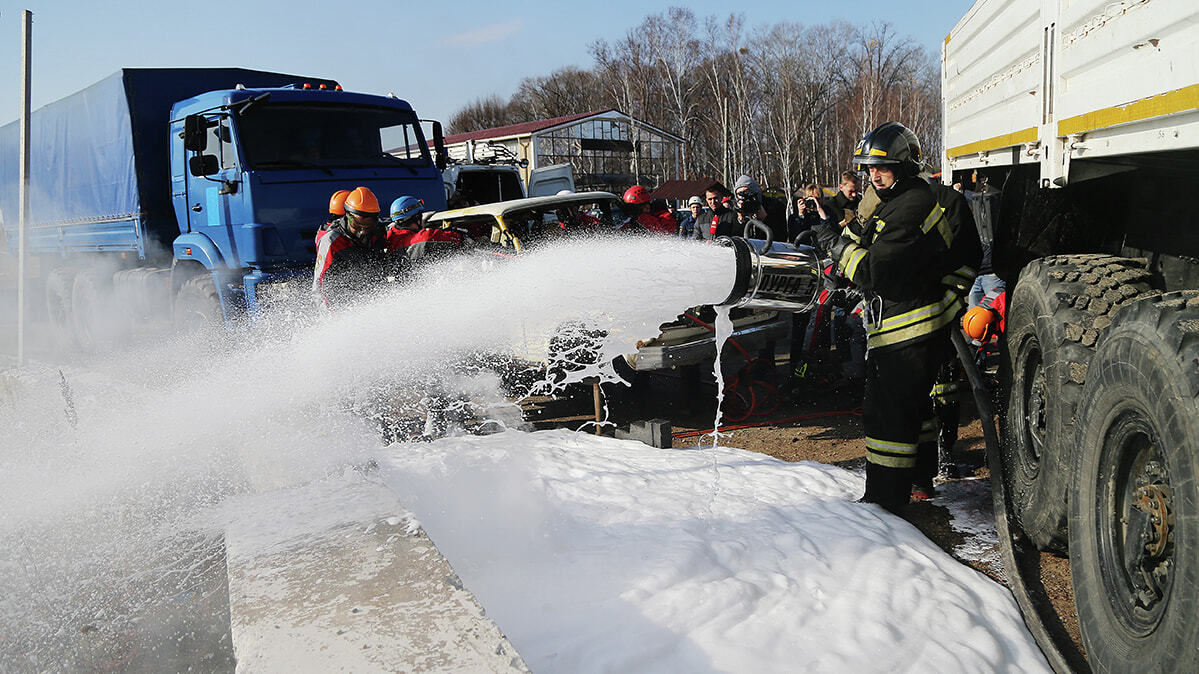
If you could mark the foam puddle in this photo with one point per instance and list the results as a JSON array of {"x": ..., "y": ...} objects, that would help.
[{"x": 110, "y": 519}]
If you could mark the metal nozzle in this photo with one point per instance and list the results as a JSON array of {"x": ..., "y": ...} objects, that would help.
[{"x": 782, "y": 277}]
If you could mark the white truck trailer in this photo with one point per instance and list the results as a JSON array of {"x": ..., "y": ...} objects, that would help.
[{"x": 1077, "y": 122}]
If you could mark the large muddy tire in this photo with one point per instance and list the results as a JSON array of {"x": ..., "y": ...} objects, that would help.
[
  {"x": 197, "y": 306},
  {"x": 59, "y": 286},
  {"x": 1134, "y": 513},
  {"x": 1057, "y": 313}
]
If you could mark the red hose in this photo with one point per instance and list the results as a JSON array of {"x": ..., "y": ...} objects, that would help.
[{"x": 733, "y": 389}]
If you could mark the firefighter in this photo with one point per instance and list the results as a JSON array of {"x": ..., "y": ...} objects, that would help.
[
  {"x": 354, "y": 254},
  {"x": 914, "y": 262},
  {"x": 657, "y": 222}
]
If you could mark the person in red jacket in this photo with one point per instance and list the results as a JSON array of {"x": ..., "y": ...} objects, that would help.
[
  {"x": 337, "y": 212},
  {"x": 354, "y": 254},
  {"x": 659, "y": 221},
  {"x": 409, "y": 237}
]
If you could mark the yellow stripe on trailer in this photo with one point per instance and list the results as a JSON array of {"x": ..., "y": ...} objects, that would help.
[
  {"x": 1170, "y": 102},
  {"x": 1006, "y": 140}
]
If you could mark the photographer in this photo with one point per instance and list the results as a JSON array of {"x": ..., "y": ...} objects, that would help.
[
  {"x": 751, "y": 205},
  {"x": 807, "y": 212}
]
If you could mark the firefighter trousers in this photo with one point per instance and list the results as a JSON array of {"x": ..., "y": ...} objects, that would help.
[{"x": 896, "y": 408}]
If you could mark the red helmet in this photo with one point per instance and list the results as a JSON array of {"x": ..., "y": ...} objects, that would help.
[{"x": 636, "y": 195}]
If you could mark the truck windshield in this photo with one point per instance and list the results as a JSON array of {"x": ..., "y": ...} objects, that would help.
[{"x": 287, "y": 136}]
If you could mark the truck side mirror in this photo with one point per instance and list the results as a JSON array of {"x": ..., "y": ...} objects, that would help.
[
  {"x": 203, "y": 164},
  {"x": 442, "y": 158},
  {"x": 195, "y": 134}
]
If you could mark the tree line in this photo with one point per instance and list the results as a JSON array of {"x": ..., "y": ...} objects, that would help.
[{"x": 784, "y": 102}]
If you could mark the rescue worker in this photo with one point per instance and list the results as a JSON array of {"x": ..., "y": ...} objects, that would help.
[
  {"x": 353, "y": 255},
  {"x": 657, "y": 222},
  {"x": 409, "y": 237},
  {"x": 687, "y": 224},
  {"x": 914, "y": 261},
  {"x": 337, "y": 211}
]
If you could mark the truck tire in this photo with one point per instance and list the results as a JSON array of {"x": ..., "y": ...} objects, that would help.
[
  {"x": 1134, "y": 513},
  {"x": 59, "y": 285},
  {"x": 97, "y": 320},
  {"x": 1056, "y": 314},
  {"x": 197, "y": 306}
]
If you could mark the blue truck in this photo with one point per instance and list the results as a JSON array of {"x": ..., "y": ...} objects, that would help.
[{"x": 192, "y": 195}]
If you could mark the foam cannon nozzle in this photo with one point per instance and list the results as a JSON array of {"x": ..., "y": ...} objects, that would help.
[{"x": 780, "y": 276}]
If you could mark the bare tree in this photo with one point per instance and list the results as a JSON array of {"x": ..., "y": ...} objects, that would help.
[
  {"x": 785, "y": 103},
  {"x": 483, "y": 113},
  {"x": 566, "y": 91},
  {"x": 675, "y": 51}
]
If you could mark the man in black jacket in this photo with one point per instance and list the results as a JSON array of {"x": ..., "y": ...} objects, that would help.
[
  {"x": 913, "y": 262},
  {"x": 847, "y": 198},
  {"x": 717, "y": 219}
]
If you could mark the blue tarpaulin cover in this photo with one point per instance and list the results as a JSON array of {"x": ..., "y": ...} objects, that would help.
[{"x": 100, "y": 157}]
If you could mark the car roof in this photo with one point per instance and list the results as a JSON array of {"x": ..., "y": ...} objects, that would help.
[{"x": 502, "y": 207}]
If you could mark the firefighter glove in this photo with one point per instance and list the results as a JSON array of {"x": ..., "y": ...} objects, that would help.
[{"x": 829, "y": 240}]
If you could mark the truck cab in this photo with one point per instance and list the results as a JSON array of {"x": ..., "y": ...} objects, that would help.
[{"x": 251, "y": 171}]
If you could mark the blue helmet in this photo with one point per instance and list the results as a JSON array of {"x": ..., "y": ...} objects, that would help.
[{"x": 406, "y": 208}]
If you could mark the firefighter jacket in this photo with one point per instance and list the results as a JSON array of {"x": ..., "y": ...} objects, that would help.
[{"x": 914, "y": 260}]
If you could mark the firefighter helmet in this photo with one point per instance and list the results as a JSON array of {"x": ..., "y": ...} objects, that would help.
[
  {"x": 361, "y": 201},
  {"x": 337, "y": 202},
  {"x": 636, "y": 195},
  {"x": 891, "y": 145}
]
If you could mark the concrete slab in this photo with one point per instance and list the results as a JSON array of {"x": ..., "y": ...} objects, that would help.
[{"x": 340, "y": 578}]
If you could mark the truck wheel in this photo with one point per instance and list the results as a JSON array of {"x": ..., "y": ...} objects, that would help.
[
  {"x": 197, "y": 306},
  {"x": 1134, "y": 513},
  {"x": 1058, "y": 311},
  {"x": 59, "y": 285},
  {"x": 97, "y": 320}
]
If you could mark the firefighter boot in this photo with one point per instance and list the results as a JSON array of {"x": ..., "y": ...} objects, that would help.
[{"x": 887, "y": 487}]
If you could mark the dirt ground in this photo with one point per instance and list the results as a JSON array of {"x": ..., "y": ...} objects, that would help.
[{"x": 811, "y": 420}]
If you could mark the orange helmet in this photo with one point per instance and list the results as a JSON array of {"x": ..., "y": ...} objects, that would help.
[
  {"x": 636, "y": 195},
  {"x": 337, "y": 202},
  {"x": 978, "y": 323},
  {"x": 362, "y": 201}
]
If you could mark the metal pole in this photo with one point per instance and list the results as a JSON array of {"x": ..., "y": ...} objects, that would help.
[{"x": 23, "y": 198}]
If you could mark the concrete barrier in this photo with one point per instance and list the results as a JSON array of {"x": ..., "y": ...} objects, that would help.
[{"x": 339, "y": 577}]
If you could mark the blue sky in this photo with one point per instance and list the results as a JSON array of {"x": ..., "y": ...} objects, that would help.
[{"x": 437, "y": 55}]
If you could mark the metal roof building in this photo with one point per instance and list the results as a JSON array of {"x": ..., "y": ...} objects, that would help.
[{"x": 608, "y": 149}]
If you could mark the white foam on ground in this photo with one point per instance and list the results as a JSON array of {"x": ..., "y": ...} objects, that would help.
[{"x": 593, "y": 554}]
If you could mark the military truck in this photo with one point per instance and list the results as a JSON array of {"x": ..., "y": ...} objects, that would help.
[{"x": 1075, "y": 126}]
